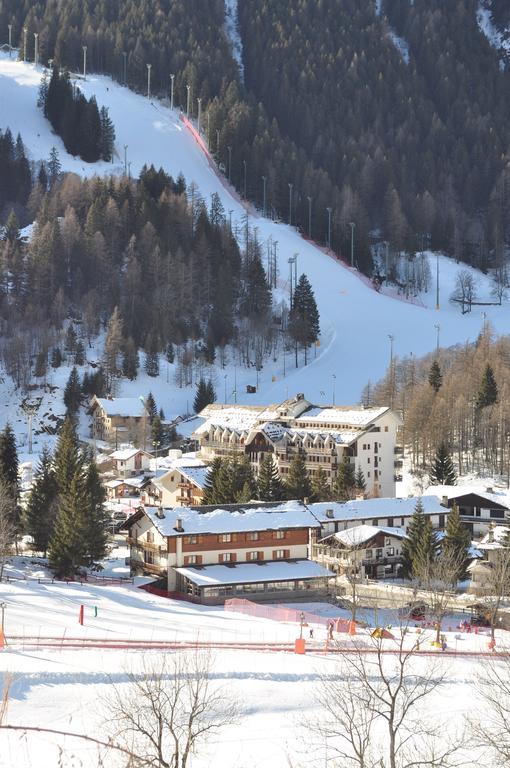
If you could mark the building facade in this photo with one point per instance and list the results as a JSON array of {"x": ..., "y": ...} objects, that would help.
[
  {"x": 365, "y": 551},
  {"x": 325, "y": 436},
  {"x": 119, "y": 419},
  {"x": 479, "y": 508},
  {"x": 208, "y": 554},
  {"x": 182, "y": 485}
]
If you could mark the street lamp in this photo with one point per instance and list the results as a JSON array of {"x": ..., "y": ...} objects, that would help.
[
  {"x": 329, "y": 227},
  {"x": 172, "y": 91},
  {"x": 263, "y": 196},
  {"x": 225, "y": 387},
  {"x": 25, "y": 43},
  {"x": 2, "y": 608},
  {"x": 334, "y": 387},
  {"x": 292, "y": 260},
  {"x": 437, "y": 280},
  {"x": 10, "y": 38},
  {"x": 309, "y": 217},
  {"x": 290, "y": 203},
  {"x": 199, "y": 100},
  {"x": 352, "y": 226},
  {"x": 36, "y": 51},
  {"x": 84, "y": 48},
  {"x": 438, "y": 328},
  {"x": 244, "y": 187},
  {"x": 188, "y": 88},
  {"x": 149, "y": 80},
  {"x": 229, "y": 162},
  {"x": 125, "y": 159},
  {"x": 144, "y": 420},
  {"x": 124, "y": 54}
]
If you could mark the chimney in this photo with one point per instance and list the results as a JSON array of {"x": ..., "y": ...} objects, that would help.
[
  {"x": 490, "y": 489},
  {"x": 306, "y": 501},
  {"x": 160, "y": 513},
  {"x": 444, "y": 501},
  {"x": 178, "y": 525},
  {"x": 329, "y": 513}
]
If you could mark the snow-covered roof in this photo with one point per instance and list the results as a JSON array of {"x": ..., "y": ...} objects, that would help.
[
  {"x": 114, "y": 483},
  {"x": 238, "y": 418},
  {"x": 352, "y": 416},
  {"x": 251, "y": 573},
  {"x": 341, "y": 437},
  {"x": 366, "y": 509},
  {"x": 196, "y": 475},
  {"x": 360, "y": 534},
  {"x": 136, "y": 482},
  {"x": 124, "y": 454},
  {"x": 494, "y": 539},
  {"x": 291, "y": 514},
  {"x": 455, "y": 491},
  {"x": 129, "y": 407}
]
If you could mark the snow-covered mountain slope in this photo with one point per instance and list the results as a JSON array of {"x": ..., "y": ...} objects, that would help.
[{"x": 355, "y": 320}]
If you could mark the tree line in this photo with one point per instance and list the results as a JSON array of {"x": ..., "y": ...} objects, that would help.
[
  {"x": 85, "y": 129},
  {"x": 328, "y": 105},
  {"x": 454, "y": 403}
]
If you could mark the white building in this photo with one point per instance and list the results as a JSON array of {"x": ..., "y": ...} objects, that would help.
[
  {"x": 324, "y": 435},
  {"x": 128, "y": 462},
  {"x": 363, "y": 551},
  {"x": 181, "y": 485}
]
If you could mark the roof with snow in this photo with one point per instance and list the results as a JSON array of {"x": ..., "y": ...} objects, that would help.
[
  {"x": 361, "y": 534},
  {"x": 129, "y": 407},
  {"x": 357, "y": 416},
  {"x": 250, "y": 573},
  {"x": 291, "y": 514},
  {"x": 500, "y": 497},
  {"x": 370, "y": 509},
  {"x": 494, "y": 539},
  {"x": 196, "y": 475},
  {"x": 125, "y": 454}
]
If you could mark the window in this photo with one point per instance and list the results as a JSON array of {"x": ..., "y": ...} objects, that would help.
[
  {"x": 252, "y": 555},
  {"x": 387, "y": 542},
  {"x": 192, "y": 540},
  {"x": 148, "y": 556},
  {"x": 226, "y": 557},
  {"x": 368, "y": 554},
  {"x": 253, "y": 536},
  {"x": 279, "y": 554},
  {"x": 279, "y": 534},
  {"x": 385, "y": 429},
  {"x": 378, "y": 553},
  {"x": 150, "y": 537},
  {"x": 190, "y": 560},
  {"x": 226, "y": 537},
  {"x": 390, "y": 551}
]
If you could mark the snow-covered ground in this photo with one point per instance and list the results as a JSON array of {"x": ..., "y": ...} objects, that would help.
[
  {"x": 355, "y": 320},
  {"x": 232, "y": 30},
  {"x": 64, "y": 688},
  {"x": 493, "y": 35}
]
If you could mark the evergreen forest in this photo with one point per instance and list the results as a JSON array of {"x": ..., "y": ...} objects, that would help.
[{"x": 407, "y": 147}]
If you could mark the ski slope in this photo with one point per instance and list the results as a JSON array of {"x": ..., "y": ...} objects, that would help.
[{"x": 355, "y": 320}]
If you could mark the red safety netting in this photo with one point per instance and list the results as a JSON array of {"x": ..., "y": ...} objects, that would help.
[{"x": 281, "y": 613}]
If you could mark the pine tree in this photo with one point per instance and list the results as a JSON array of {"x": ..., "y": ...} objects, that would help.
[
  {"x": 113, "y": 346},
  {"x": 321, "y": 489},
  {"x": 9, "y": 473},
  {"x": 435, "y": 376},
  {"x": 130, "y": 360},
  {"x": 157, "y": 433},
  {"x": 150, "y": 407},
  {"x": 202, "y": 396},
  {"x": 457, "y": 541},
  {"x": 304, "y": 316},
  {"x": 40, "y": 512},
  {"x": 297, "y": 482},
  {"x": 67, "y": 460},
  {"x": 68, "y": 544},
  {"x": 210, "y": 484},
  {"x": 95, "y": 520},
  {"x": 425, "y": 551},
  {"x": 360, "y": 482},
  {"x": 79, "y": 353},
  {"x": 54, "y": 167},
  {"x": 56, "y": 357},
  {"x": 73, "y": 393},
  {"x": 244, "y": 485},
  {"x": 269, "y": 484},
  {"x": 151, "y": 356},
  {"x": 344, "y": 485},
  {"x": 211, "y": 392},
  {"x": 488, "y": 392},
  {"x": 443, "y": 471},
  {"x": 414, "y": 534},
  {"x": 107, "y": 135}
]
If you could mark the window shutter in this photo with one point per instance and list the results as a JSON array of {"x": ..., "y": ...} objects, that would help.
[
  {"x": 233, "y": 557},
  {"x": 260, "y": 555},
  {"x": 199, "y": 559},
  {"x": 275, "y": 554},
  {"x": 234, "y": 537},
  {"x": 287, "y": 553},
  {"x": 186, "y": 560},
  {"x": 220, "y": 558}
]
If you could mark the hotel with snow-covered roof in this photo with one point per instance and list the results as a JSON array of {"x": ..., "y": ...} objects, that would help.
[{"x": 324, "y": 435}]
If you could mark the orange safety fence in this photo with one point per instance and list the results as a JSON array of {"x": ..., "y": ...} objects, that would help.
[{"x": 282, "y": 613}]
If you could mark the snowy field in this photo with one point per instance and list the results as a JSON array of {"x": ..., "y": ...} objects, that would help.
[
  {"x": 65, "y": 688},
  {"x": 355, "y": 319}
]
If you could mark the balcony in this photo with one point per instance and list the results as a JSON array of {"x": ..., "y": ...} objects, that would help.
[
  {"x": 384, "y": 560},
  {"x": 139, "y": 545}
]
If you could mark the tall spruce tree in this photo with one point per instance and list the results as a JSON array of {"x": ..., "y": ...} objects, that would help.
[
  {"x": 488, "y": 392},
  {"x": 211, "y": 481},
  {"x": 360, "y": 482},
  {"x": 269, "y": 484},
  {"x": 96, "y": 520},
  {"x": 411, "y": 542},
  {"x": 40, "y": 512},
  {"x": 435, "y": 376},
  {"x": 321, "y": 488},
  {"x": 68, "y": 545},
  {"x": 150, "y": 406},
  {"x": 443, "y": 471},
  {"x": 67, "y": 460},
  {"x": 201, "y": 396},
  {"x": 457, "y": 541},
  {"x": 344, "y": 484},
  {"x": 425, "y": 551},
  {"x": 73, "y": 393},
  {"x": 297, "y": 482},
  {"x": 303, "y": 317},
  {"x": 9, "y": 478}
]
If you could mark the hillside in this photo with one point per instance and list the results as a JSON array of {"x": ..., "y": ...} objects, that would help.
[{"x": 355, "y": 319}]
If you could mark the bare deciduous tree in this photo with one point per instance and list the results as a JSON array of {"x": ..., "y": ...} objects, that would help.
[
  {"x": 371, "y": 714},
  {"x": 7, "y": 528},
  {"x": 496, "y": 584},
  {"x": 438, "y": 576},
  {"x": 170, "y": 708},
  {"x": 465, "y": 290},
  {"x": 493, "y": 688}
]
